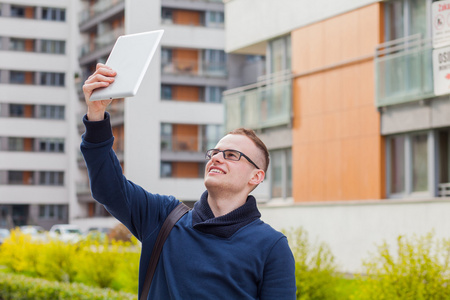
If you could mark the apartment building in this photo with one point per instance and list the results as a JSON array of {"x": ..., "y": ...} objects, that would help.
[
  {"x": 162, "y": 133},
  {"x": 367, "y": 157},
  {"x": 37, "y": 153}
]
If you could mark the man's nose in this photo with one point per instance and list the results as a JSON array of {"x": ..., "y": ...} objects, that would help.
[{"x": 217, "y": 157}]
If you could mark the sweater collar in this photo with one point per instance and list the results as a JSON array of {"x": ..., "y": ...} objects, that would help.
[{"x": 224, "y": 226}]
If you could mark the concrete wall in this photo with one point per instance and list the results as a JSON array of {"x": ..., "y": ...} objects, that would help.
[
  {"x": 353, "y": 229},
  {"x": 420, "y": 115},
  {"x": 250, "y": 23}
]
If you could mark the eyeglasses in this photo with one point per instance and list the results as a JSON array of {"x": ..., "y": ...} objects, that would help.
[{"x": 229, "y": 154}]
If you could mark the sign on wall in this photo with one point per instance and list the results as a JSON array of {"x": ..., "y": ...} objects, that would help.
[
  {"x": 441, "y": 70},
  {"x": 441, "y": 23}
]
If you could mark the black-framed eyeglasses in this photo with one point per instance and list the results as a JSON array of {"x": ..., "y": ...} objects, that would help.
[{"x": 229, "y": 154}]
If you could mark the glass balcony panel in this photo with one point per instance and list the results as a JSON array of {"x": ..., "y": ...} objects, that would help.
[
  {"x": 403, "y": 71},
  {"x": 259, "y": 107}
]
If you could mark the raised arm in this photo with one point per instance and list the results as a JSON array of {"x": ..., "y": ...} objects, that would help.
[
  {"x": 102, "y": 77},
  {"x": 136, "y": 208}
]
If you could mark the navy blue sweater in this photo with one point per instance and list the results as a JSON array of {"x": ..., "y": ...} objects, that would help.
[{"x": 235, "y": 256}]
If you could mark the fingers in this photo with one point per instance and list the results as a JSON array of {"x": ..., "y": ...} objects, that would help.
[{"x": 102, "y": 77}]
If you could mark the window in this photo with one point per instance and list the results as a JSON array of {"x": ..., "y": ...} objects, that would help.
[
  {"x": 53, "y": 14},
  {"x": 166, "y": 92},
  {"x": 50, "y": 46},
  {"x": 215, "y": 19},
  {"x": 406, "y": 17},
  {"x": 281, "y": 173},
  {"x": 214, "y": 62},
  {"x": 166, "y": 169},
  {"x": 166, "y": 55},
  {"x": 419, "y": 162},
  {"x": 166, "y": 136},
  {"x": 167, "y": 15},
  {"x": 51, "y": 145},
  {"x": 53, "y": 79},
  {"x": 16, "y": 110},
  {"x": 55, "y": 212},
  {"x": 20, "y": 177},
  {"x": 397, "y": 164},
  {"x": 211, "y": 136},
  {"x": 280, "y": 54},
  {"x": 213, "y": 94},
  {"x": 444, "y": 156},
  {"x": 51, "y": 178},
  {"x": 17, "y": 11},
  {"x": 15, "y": 177},
  {"x": 17, "y": 77},
  {"x": 51, "y": 112},
  {"x": 407, "y": 164},
  {"x": 17, "y": 44},
  {"x": 15, "y": 144}
]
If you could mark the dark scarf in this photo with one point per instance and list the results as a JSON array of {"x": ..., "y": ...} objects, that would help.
[{"x": 224, "y": 226}]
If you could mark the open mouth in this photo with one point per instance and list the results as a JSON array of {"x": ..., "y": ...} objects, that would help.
[{"x": 217, "y": 171}]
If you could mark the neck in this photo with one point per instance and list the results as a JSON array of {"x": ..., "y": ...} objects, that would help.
[{"x": 223, "y": 203}]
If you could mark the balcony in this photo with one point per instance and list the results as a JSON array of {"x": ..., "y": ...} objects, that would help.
[
  {"x": 264, "y": 104},
  {"x": 403, "y": 71},
  {"x": 194, "y": 68},
  {"x": 187, "y": 148},
  {"x": 101, "y": 46},
  {"x": 107, "y": 7}
]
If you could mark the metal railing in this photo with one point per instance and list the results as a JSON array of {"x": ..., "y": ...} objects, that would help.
[
  {"x": 104, "y": 40},
  {"x": 98, "y": 8},
  {"x": 444, "y": 189},
  {"x": 194, "y": 68},
  {"x": 267, "y": 103},
  {"x": 187, "y": 143},
  {"x": 403, "y": 71}
]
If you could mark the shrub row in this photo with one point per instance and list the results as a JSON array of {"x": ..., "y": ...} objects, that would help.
[
  {"x": 20, "y": 287},
  {"x": 416, "y": 268},
  {"x": 101, "y": 263}
]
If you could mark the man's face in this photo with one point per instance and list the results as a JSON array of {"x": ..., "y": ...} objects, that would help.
[{"x": 228, "y": 175}]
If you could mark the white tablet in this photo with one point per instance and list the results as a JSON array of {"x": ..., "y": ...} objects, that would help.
[{"x": 130, "y": 58}]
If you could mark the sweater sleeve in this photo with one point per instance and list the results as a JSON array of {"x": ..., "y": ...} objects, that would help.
[
  {"x": 279, "y": 273},
  {"x": 140, "y": 211}
]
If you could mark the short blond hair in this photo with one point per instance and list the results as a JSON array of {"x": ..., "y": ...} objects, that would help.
[{"x": 257, "y": 141}]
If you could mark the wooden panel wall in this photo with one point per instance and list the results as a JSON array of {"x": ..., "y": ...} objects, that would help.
[{"x": 337, "y": 148}]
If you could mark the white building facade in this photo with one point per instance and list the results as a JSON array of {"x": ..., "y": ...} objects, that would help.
[{"x": 37, "y": 96}]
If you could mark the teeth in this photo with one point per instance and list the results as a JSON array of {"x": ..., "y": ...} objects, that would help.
[{"x": 217, "y": 171}]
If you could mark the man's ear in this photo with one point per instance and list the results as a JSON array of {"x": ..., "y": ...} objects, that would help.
[{"x": 257, "y": 177}]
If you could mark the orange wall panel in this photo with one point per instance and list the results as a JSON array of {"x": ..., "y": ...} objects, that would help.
[
  {"x": 185, "y": 170},
  {"x": 29, "y": 12},
  {"x": 185, "y": 137},
  {"x": 186, "y": 17},
  {"x": 186, "y": 93},
  {"x": 337, "y": 147}
]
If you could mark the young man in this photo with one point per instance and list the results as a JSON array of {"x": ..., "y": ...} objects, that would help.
[{"x": 220, "y": 249}]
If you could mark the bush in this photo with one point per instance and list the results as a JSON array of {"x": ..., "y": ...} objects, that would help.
[
  {"x": 315, "y": 270},
  {"x": 418, "y": 269},
  {"x": 19, "y": 287},
  {"x": 94, "y": 262}
]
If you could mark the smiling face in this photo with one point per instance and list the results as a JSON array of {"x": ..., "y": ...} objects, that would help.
[{"x": 234, "y": 177}]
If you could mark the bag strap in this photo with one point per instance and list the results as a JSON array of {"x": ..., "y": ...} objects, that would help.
[{"x": 176, "y": 214}]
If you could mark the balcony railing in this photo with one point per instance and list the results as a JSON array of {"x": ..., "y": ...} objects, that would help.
[
  {"x": 186, "y": 143},
  {"x": 444, "y": 190},
  {"x": 98, "y": 8},
  {"x": 264, "y": 104},
  {"x": 403, "y": 71},
  {"x": 106, "y": 39},
  {"x": 194, "y": 68}
]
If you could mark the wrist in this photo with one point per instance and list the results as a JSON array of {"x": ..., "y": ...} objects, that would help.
[{"x": 95, "y": 115}]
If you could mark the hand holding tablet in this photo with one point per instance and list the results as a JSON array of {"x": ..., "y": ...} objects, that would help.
[{"x": 129, "y": 58}]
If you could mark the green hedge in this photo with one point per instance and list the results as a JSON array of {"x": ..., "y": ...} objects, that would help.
[{"x": 20, "y": 287}]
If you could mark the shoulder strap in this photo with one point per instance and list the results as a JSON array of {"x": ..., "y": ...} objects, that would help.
[{"x": 176, "y": 214}]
